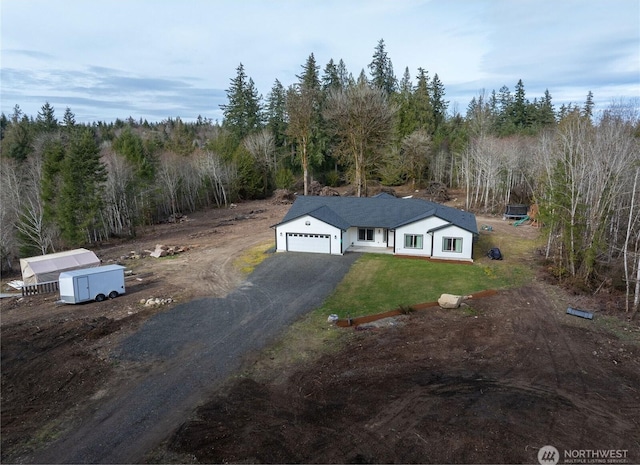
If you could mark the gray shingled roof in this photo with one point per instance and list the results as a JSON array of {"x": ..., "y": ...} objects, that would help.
[{"x": 376, "y": 212}]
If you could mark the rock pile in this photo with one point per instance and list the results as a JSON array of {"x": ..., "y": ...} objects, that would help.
[
  {"x": 163, "y": 250},
  {"x": 155, "y": 302}
]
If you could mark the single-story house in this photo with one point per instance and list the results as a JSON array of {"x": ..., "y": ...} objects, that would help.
[
  {"x": 47, "y": 268},
  {"x": 384, "y": 223}
]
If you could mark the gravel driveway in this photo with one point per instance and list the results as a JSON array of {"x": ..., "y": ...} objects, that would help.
[{"x": 192, "y": 348}]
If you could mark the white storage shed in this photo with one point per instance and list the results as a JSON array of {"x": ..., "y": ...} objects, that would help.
[{"x": 46, "y": 268}]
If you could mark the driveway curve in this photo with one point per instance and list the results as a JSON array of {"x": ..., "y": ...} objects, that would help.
[{"x": 188, "y": 351}]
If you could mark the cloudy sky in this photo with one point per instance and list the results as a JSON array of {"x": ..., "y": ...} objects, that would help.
[{"x": 154, "y": 59}]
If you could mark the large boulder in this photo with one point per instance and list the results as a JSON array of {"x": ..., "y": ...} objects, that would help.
[{"x": 450, "y": 300}]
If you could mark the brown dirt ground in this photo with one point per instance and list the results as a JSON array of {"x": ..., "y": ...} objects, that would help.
[
  {"x": 491, "y": 383},
  {"x": 56, "y": 357},
  {"x": 488, "y": 383}
]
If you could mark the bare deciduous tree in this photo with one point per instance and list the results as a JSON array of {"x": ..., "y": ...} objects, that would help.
[
  {"x": 9, "y": 200},
  {"x": 587, "y": 178},
  {"x": 630, "y": 222},
  {"x": 300, "y": 103},
  {"x": 169, "y": 180},
  {"x": 216, "y": 176},
  {"x": 415, "y": 155},
  {"x": 23, "y": 184},
  {"x": 262, "y": 147},
  {"x": 362, "y": 119},
  {"x": 120, "y": 211}
]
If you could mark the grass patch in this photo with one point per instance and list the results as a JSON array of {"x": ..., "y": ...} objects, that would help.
[
  {"x": 168, "y": 257},
  {"x": 623, "y": 330},
  {"x": 303, "y": 342},
  {"x": 469, "y": 311},
  {"x": 378, "y": 283},
  {"x": 513, "y": 248},
  {"x": 252, "y": 257}
]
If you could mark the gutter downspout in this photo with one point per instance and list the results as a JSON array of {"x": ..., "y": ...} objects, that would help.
[
  {"x": 395, "y": 241},
  {"x": 275, "y": 236},
  {"x": 431, "y": 234}
]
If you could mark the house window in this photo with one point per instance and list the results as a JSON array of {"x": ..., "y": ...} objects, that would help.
[
  {"x": 452, "y": 244},
  {"x": 413, "y": 241},
  {"x": 365, "y": 234}
]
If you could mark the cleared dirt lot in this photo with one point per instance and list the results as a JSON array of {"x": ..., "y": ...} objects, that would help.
[
  {"x": 487, "y": 384},
  {"x": 490, "y": 383},
  {"x": 57, "y": 359}
]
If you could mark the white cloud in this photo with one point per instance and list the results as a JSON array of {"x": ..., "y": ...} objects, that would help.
[{"x": 142, "y": 57}]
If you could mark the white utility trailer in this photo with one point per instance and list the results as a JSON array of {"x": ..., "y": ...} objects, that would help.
[{"x": 87, "y": 284}]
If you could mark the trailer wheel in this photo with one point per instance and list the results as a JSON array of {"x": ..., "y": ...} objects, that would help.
[
  {"x": 113, "y": 294},
  {"x": 100, "y": 297}
]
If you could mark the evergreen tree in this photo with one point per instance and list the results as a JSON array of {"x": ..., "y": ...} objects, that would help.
[
  {"x": 518, "y": 109},
  {"x": 243, "y": 113},
  {"x": 546, "y": 112},
  {"x": 17, "y": 142},
  {"x": 17, "y": 114},
  {"x": 438, "y": 103},
  {"x": 53, "y": 153},
  {"x": 69, "y": 119},
  {"x": 382, "y": 70},
  {"x": 80, "y": 199},
  {"x": 362, "y": 79},
  {"x": 4, "y": 123},
  {"x": 310, "y": 78},
  {"x": 276, "y": 114},
  {"x": 588, "y": 106},
  {"x": 182, "y": 139},
  {"x": 406, "y": 84},
  {"x": 250, "y": 180},
  {"x": 504, "y": 120},
  {"x": 404, "y": 100},
  {"x": 493, "y": 104},
  {"x": 331, "y": 77},
  {"x": 131, "y": 147},
  {"x": 422, "y": 107},
  {"x": 346, "y": 79},
  {"x": 46, "y": 119}
]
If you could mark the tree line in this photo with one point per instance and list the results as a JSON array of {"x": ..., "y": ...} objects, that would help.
[{"x": 66, "y": 184}]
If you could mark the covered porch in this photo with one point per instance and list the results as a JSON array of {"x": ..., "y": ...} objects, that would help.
[{"x": 365, "y": 249}]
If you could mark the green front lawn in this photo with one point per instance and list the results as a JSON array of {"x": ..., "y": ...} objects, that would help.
[{"x": 378, "y": 283}]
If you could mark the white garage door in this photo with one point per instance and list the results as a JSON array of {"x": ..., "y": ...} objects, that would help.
[{"x": 318, "y": 243}]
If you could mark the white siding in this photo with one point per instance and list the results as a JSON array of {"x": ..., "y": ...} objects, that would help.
[
  {"x": 314, "y": 226},
  {"x": 418, "y": 228},
  {"x": 351, "y": 237},
  {"x": 432, "y": 243},
  {"x": 455, "y": 232}
]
